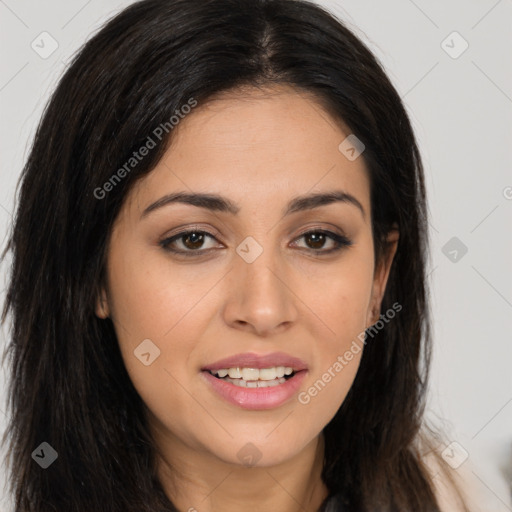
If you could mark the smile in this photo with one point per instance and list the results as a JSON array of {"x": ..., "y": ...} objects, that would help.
[{"x": 255, "y": 394}]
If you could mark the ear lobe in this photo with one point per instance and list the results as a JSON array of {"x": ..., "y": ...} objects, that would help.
[
  {"x": 102, "y": 310},
  {"x": 381, "y": 275}
]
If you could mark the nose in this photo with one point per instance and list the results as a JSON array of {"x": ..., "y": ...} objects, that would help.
[{"x": 260, "y": 295}]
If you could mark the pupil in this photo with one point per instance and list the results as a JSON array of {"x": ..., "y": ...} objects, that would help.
[
  {"x": 195, "y": 243},
  {"x": 318, "y": 240}
]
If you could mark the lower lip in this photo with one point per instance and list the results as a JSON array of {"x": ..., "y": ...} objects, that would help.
[{"x": 256, "y": 398}]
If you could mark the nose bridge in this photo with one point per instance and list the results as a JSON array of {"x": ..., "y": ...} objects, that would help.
[
  {"x": 259, "y": 265},
  {"x": 261, "y": 295}
]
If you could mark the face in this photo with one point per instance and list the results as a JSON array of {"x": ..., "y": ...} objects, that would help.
[{"x": 253, "y": 278}]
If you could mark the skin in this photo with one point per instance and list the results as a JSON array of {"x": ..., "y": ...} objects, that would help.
[{"x": 260, "y": 149}]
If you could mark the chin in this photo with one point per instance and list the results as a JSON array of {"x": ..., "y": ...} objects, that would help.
[{"x": 260, "y": 450}]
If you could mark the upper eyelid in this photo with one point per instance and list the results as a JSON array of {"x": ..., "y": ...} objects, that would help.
[{"x": 194, "y": 228}]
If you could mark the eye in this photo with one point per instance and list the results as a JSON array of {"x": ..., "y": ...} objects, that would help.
[
  {"x": 316, "y": 239},
  {"x": 190, "y": 241},
  {"x": 193, "y": 241}
]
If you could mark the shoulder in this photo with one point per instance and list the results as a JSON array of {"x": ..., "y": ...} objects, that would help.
[
  {"x": 449, "y": 485},
  {"x": 453, "y": 486}
]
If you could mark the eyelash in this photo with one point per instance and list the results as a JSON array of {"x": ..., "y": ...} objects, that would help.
[{"x": 341, "y": 242}]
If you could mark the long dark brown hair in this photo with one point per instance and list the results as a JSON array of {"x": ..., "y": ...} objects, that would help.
[{"x": 68, "y": 384}]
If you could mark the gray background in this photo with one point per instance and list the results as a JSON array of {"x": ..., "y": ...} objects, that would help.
[{"x": 461, "y": 109}]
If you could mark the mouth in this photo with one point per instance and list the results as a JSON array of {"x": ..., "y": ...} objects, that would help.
[{"x": 256, "y": 382}]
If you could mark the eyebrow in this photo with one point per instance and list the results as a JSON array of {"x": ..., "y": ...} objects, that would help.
[{"x": 215, "y": 202}]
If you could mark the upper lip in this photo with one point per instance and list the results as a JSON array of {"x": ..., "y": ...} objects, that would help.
[{"x": 252, "y": 360}]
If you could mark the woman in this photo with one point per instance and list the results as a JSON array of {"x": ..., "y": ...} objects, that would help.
[{"x": 218, "y": 285}]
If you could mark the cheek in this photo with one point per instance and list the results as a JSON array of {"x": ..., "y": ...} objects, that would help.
[
  {"x": 341, "y": 304},
  {"x": 150, "y": 296},
  {"x": 152, "y": 314},
  {"x": 154, "y": 308},
  {"x": 339, "y": 295},
  {"x": 326, "y": 391},
  {"x": 343, "y": 309}
]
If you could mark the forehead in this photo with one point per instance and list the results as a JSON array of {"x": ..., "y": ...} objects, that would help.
[{"x": 257, "y": 147}]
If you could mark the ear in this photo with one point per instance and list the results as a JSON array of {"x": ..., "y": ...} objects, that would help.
[
  {"x": 102, "y": 310},
  {"x": 381, "y": 275}
]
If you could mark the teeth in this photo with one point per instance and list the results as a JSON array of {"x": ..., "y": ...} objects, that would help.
[
  {"x": 235, "y": 373},
  {"x": 267, "y": 374},
  {"x": 253, "y": 374},
  {"x": 250, "y": 374},
  {"x": 255, "y": 383}
]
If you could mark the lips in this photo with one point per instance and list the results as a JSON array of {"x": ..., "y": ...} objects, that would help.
[
  {"x": 255, "y": 398},
  {"x": 252, "y": 360}
]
